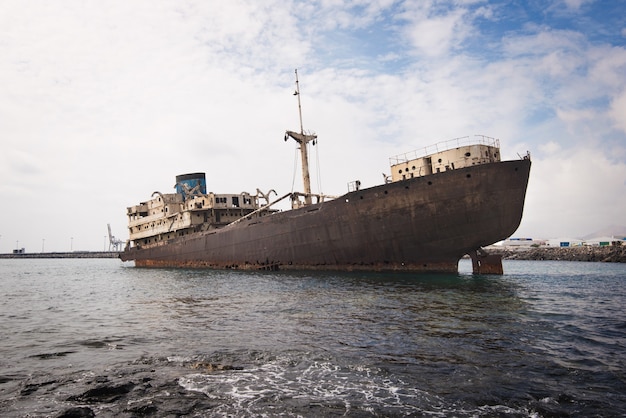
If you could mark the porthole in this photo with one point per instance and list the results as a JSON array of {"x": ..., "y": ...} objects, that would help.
[
  {"x": 439, "y": 160},
  {"x": 430, "y": 183},
  {"x": 468, "y": 176},
  {"x": 467, "y": 154}
]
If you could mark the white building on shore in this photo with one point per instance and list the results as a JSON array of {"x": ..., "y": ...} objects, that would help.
[
  {"x": 565, "y": 242},
  {"x": 523, "y": 242},
  {"x": 604, "y": 241}
]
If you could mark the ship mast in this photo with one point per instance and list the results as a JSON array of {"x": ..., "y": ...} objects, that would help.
[{"x": 303, "y": 139}]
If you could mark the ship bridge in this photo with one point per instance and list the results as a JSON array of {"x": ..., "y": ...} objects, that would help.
[{"x": 447, "y": 155}]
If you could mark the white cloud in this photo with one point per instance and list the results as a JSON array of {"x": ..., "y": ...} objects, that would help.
[
  {"x": 103, "y": 103},
  {"x": 618, "y": 111},
  {"x": 575, "y": 4},
  {"x": 574, "y": 194},
  {"x": 432, "y": 31},
  {"x": 550, "y": 148},
  {"x": 436, "y": 36}
]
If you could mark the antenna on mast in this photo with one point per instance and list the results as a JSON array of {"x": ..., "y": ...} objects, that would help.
[
  {"x": 303, "y": 139},
  {"x": 297, "y": 93}
]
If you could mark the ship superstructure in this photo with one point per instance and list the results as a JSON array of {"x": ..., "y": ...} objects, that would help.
[
  {"x": 444, "y": 156},
  {"x": 191, "y": 209}
]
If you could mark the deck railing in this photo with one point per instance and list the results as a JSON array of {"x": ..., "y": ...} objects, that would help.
[{"x": 444, "y": 146}]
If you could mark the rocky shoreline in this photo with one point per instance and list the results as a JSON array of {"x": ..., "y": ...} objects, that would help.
[{"x": 610, "y": 254}]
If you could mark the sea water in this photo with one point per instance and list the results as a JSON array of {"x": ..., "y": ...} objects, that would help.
[{"x": 94, "y": 336}]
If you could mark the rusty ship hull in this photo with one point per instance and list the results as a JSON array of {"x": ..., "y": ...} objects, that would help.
[{"x": 422, "y": 224}]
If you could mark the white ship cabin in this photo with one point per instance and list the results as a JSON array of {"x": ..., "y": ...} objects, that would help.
[
  {"x": 191, "y": 209},
  {"x": 449, "y": 155}
]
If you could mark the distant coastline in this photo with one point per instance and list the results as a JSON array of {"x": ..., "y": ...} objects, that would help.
[
  {"x": 608, "y": 254},
  {"x": 72, "y": 254}
]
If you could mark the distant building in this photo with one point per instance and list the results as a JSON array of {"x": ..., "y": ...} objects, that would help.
[
  {"x": 19, "y": 251},
  {"x": 604, "y": 241},
  {"x": 565, "y": 242},
  {"x": 522, "y": 242}
]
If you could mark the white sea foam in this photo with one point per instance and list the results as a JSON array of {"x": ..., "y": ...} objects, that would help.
[
  {"x": 321, "y": 383},
  {"x": 178, "y": 359}
]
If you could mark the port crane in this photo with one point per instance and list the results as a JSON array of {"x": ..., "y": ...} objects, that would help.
[{"x": 114, "y": 243}]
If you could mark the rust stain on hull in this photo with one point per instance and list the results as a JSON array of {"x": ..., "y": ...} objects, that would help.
[
  {"x": 483, "y": 263},
  {"x": 439, "y": 267}
]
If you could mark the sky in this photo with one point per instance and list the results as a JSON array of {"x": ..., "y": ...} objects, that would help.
[{"x": 104, "y": 102}]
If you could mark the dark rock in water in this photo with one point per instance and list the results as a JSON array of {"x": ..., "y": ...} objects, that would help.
[
  {"x": 46, "y": 356},
  {"x": 77, "y": 412},
  {"x": 34, "y": 386},
  {"x": 104, "y": 393},
  {"x": 101, "y": 379},
  {"x": 164, "y": 398},
  {"x": 141, "y": 410}
]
